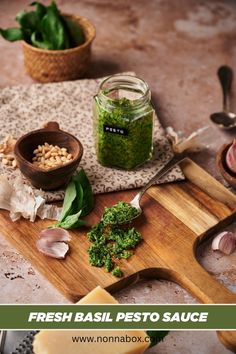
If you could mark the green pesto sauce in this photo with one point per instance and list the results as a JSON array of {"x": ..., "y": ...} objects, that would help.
[
  {"x": 117, "y": 272},
  {"x": 111, "y": 242},
  {"x": 119, "y": 213},
  {"x": 124, "y": 151}
]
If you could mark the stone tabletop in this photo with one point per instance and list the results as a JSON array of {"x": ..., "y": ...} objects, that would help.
[{"x": 177, "y": 47}]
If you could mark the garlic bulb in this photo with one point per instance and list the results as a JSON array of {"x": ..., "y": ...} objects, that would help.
[
  {"x": 19, "y": 199},
  {"x": 231, "y": 157},
  {"x": 224, "y": 242}
]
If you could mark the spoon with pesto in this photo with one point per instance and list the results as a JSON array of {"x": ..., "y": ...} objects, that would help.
[{"x": 123, "y": 212}]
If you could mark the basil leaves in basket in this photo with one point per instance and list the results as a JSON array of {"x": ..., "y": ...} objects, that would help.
[
  {"x": 45, "y": 28},
  {"x": 78, "y": 201}
]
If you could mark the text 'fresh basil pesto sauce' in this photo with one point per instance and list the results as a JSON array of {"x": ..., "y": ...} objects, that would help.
[{"x": 123, "y": 122}]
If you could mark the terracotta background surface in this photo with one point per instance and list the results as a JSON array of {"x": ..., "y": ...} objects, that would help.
[{"x": 177, "y": 46}]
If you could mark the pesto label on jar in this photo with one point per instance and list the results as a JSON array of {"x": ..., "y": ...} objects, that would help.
[{"x": 114, "y": 130}]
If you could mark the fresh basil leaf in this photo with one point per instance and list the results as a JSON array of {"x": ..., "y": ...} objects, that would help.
[
  {"x": 75, "y": 31},
  {"x": 70, "y": 195},
  {"x": 38, "y": 42},
  {"x": 78, "y": 202},
  {"x": 88, "y": 199},
  {"x": 20, "y": 15},
  {"x": 156, "y": 337},
  {"x": 79, "y": 223},
  {"x": 40, "y": 9},
  {"x": 53, "y": 30},
  {"x": 72, "y": 221},
  {"x": 54, "y": 7},
  {"x": 12, "y": 34},
  {"x": 28, "y": 20}
]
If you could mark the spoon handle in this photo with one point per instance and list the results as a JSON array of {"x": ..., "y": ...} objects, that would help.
[
  {"x": 176, "y": 159},
  {"x": 225, "y": 75}
]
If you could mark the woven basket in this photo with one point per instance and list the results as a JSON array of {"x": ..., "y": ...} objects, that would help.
[{"x": 60, "y": 65}]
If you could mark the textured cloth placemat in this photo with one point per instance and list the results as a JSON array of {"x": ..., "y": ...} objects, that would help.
[{"x": 26, "y": 108}]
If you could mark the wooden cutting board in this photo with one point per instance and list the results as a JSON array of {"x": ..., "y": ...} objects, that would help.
[{"x": 176, "y": 218}]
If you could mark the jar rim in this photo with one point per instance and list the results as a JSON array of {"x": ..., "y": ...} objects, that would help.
[{"x": 124, "y": 81}]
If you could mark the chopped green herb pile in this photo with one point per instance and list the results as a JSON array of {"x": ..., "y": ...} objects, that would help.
[
  {"x": 129, "y": 150},
  {"x": 117, "y": 272},
  {"x": 120, "y": 213},
  {"x": 111, "y": 242},
  {"x": 78, "y": 202},
  {"x": 45, "y": 28}
]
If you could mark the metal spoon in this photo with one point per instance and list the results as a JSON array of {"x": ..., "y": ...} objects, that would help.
[
  {"x": 225, "y": 119},
  {"x": 173, "y": 162},
  {"x": 193, "y": 143}
]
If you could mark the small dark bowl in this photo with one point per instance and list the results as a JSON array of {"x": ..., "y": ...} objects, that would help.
[
  {"x": 228, "y": 175},
  {"x": 57, "y": 176}
]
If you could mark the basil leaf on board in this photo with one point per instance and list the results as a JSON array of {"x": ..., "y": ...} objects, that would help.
[
  {"x": 72, "y": 221},
  {"x": 12, "y": 34},
  {"x": 79, "y": 223},
  {"x": 156, "y": 336},
  {"x": 88, "y": 199},
  {"x": 40, "y": 9},
  {"x": 70, "y": 195},
  {"x": 75, "y": 202},
  {"x": 75, "y": 31},
  {"x": 53, "y": 29},
  {"x": 78, "y": 201}
]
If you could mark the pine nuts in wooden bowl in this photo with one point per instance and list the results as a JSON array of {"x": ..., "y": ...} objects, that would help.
[{"x": 48, "y": 157}]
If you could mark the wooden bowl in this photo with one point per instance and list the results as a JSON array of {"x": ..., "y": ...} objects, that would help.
[
  {"x": 228, "y": 175},
  {"x": 57, "y": 176}
]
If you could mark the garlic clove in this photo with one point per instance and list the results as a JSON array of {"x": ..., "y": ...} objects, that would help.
[
  {"x": 52, "y": 249},
  {"x": 224, "y": 242},
  {"x": 231, "y": 157},
  {"x": 55, "y": 234}
]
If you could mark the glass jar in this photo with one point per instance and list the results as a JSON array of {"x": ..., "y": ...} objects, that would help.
[{"x": 123, "y": 122}]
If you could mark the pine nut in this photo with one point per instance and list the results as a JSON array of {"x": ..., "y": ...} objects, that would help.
[{"x": 48, "y": 156}]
